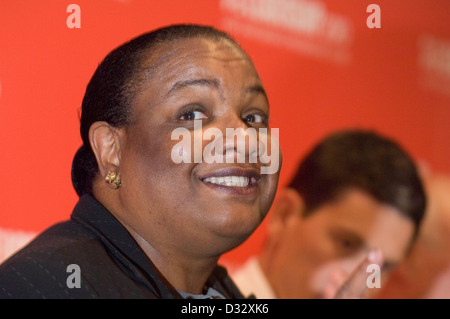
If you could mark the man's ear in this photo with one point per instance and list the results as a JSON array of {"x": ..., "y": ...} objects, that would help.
[
  {"x": 105, "y": 144},
  {"x": 288, "y": 204}
]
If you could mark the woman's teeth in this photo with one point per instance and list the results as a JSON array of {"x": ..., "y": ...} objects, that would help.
[{"x": 235, "y": 181}]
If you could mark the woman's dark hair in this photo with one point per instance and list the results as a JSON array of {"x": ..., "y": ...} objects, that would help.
[
  {"x": 114, "y": 85},
  {"x": 366, "y": 161}
]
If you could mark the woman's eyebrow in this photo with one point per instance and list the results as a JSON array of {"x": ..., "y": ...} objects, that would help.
[
  {"x": 258, "y": 89},
  {"x": 214, "y": 83}
]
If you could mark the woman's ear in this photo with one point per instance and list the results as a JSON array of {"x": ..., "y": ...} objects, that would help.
[
  {"x": 288, "y": 204},
  {"x": 105, "y": 144}
]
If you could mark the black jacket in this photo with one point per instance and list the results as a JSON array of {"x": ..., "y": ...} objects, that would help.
[{"x": 95, "y": 245}]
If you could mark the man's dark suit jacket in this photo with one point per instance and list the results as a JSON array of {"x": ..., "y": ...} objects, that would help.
[{"x": 111, "y": 263}]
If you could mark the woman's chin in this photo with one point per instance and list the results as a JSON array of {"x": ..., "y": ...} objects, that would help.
[{"x": 234, "y": 232}]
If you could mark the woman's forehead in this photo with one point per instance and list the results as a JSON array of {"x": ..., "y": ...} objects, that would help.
[
  {"x": 176, "y": 54},
  {"x": 187, "y": 66}
]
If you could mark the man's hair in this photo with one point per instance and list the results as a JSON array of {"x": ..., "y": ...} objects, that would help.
[
  {"x": 366, "y": 161},
  {"x": 114, "y": 85}
]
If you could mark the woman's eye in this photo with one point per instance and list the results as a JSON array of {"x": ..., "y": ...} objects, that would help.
[
  {"x": 193, "y": 115},
  {"x": 255, "y": 118}
]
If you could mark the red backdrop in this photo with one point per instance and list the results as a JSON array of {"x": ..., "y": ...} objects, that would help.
[{"x": 321, "y": 64}]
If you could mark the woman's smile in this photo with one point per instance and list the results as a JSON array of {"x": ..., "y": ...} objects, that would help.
[{"x": 234, "y": 181}]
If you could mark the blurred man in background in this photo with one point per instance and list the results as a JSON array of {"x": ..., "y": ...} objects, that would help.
[
  {"x": 356, "y": 192},
  {"x": 425, "y": 273}
]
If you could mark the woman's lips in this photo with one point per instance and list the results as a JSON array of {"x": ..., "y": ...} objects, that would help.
[{"x": 233, "y": 181}]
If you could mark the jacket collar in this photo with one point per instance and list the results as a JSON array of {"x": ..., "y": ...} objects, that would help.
[{"x": 94, "y": 216}]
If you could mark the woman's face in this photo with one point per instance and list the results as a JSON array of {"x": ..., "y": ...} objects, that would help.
[{"x": 188, "y": 206}]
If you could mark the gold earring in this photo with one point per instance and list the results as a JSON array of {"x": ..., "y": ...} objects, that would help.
[{"x": 113, "y": 178}]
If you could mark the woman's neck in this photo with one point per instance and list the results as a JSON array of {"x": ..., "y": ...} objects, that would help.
[
  {"x": 185, "y": 273},
  {"x": 183, "y": 270}
]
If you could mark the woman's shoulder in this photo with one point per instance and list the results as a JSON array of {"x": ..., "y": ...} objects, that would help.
[{"x": 41, "y": 268}]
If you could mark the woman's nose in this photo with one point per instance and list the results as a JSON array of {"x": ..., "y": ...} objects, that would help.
[{"x": 239, "y": 142}]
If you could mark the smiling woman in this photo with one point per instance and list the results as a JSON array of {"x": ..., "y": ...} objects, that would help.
[{"x": 145, "y": 226}]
